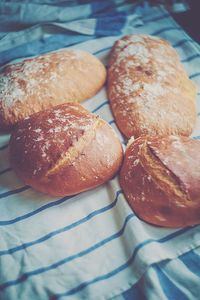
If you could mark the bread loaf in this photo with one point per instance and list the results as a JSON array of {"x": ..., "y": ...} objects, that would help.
[
  {"x": 161, "y": 180},
  {"x": 45, "y": 81},
  {"x": 148, "y": 88},
  {"x": 64, "y": 150}
]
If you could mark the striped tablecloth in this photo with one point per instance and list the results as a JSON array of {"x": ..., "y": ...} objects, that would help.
[{"x": 90, "y": 246}]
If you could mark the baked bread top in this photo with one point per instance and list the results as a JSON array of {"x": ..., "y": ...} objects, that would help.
[
  {"x": 148, "y": 88},
  {"x": 64, "y": 150},
  {"x": 45, "y": 81},
  {"x": 161, "y": 180}
]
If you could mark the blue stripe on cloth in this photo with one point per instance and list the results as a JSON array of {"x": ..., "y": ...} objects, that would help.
[
  {"x": 3, "y": 147},
  {"x": 169, "y": 288},
  {"x": 188, "y": 59},
  {"x": 163, "y": 16},
  {"x": 192, "y": 261},
  {"x": 63, "y": 229},
  {"x": 16, "y": 191},
  {"x": 181, "y": 42},
  {"x": 102, "y": 50},
  {"x": 110, "y": 26},
  {"x": 102, "y": 6},
  {"x": 32, "y": 213},
  {"x": 5, "y": 171},
  {"x": 196, "y": 137},
  {"x": 49, "y": 205},
  {"x": 194, "y": 75},
  {"x": 157, "y": 32},
  {"x": 100, "y": 106},
  {"x": 134, "y": 293},
  {"x": 120, "y": 268},
  {"x": 25, "y": 276}
]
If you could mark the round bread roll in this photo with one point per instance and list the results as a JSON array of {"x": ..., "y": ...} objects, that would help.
[
  {"x": 161, "y": 180},
  {"x": 42, "y": 82},
  {"x": 64, "y": 150},
  {"x": 148, "y": 88}
]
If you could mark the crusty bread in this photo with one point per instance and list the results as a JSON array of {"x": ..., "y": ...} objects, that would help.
[
  {"x": 45, "y": 81},
  {"x": 148, "y": 88},
  {"x": 64, "y": 150},
  {"x": 161, "y": 180}
]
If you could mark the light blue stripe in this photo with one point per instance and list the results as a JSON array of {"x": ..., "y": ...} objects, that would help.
[
  {"x": 120, "y": 268},
  {"x": 63, "y": 229},
  {"x": 25, "y": 276}
]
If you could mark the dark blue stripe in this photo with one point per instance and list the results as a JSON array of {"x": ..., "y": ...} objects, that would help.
[
  {"x": 69, "y": 258},
  {"x": 192, "y": 262},
  {"x": 3, "y": 147},
  {"x": 16, "y": 191},
  {"x": 63, "y": 229},
  {"x": 120, "y": 268},
  {"x": 100, "y": 106},
  {"x": 157, "y": 32},
  {"x": 101, "y": 50},
  {"x": 171, "y": 291},
  {"x": 111, "y": 122},
  {"x": 102, "y": 6},
  {"x": 5, "y": 170},
  {"x": 134, "y": 293},
  {"x": 196, "y": 137},
  {"x": 194, "y": 75},
  {"x": 111, "y": 25},
  {"x": 190, "y": 58},
  {"x": 30, "y": 214},
  {"x": 181, "y": 42}
]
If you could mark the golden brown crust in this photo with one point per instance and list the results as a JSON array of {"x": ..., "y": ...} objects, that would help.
[
  {"x": 148, "y": 88},
  {"x": 45, "y": 81},
  {"x": 64, "y": 150},
  {"x": 161, "y": 180}
]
